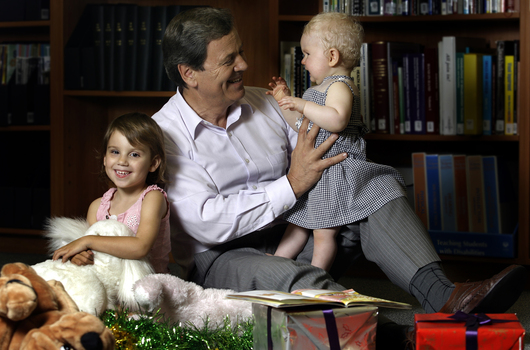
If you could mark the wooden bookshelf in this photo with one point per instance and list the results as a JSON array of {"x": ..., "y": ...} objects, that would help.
[
  {"x": 79, "y": 118},
  {"x": 287, "y": 21}
]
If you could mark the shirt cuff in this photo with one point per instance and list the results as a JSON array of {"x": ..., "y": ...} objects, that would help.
[{"x": 281, "y": 195}]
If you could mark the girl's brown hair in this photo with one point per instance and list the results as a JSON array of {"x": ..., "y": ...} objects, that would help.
[{"x": 139, "y": 129}]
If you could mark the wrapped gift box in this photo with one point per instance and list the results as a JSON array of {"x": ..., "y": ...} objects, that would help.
[
  {"x": 306, "y": 329},
  {"x": 468, "y": 331}
]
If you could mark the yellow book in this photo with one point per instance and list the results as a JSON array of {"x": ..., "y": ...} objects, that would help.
[
  {"x": 509, "y": 70},
  {"x": 473, "y": 94}
]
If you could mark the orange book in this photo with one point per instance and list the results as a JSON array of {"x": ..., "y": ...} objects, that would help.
[{"x": 420, "y": 187}]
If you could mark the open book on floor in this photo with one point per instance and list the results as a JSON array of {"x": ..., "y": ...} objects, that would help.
[{"x": 305, "y": 297}]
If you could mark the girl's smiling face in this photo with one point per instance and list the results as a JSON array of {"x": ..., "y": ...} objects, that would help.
[{"x": 127, "y": 166}]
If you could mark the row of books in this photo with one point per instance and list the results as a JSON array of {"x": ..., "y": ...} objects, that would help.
[
  {"x": 460, "y": 87},
  {"x": 419, "y": 7},
  {"x": 118, "y": 47},
  {"x": 25, "y": 83},
  {"x": 465, "y": 193},
  {"x": 24, "y": 10}
]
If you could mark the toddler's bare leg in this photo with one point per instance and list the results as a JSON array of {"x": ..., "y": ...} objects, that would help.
[
  {"x": 325, "y": 247},
  {"x": 293, "y": 241}
]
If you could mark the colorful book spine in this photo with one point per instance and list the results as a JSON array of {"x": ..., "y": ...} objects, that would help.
[
  {"x": 447, "y": 192},
  {"x": 460, "y": 122},
  {"x": 473, "y": 94},
  {"x": 432, "y": 103},
  {"x": 433, "y": 191},
  {"x": 420, "y": 187},
  {"x": 380, "y": 89},
  {"x": 460, "y": 184},
  {"x": 475, "y": 194},
  {"x": 487, "y": 94},
  {"x": 365, "y": 84},
  {"x": 491, "y": 194},
  {"x": 509, "y": 68}
]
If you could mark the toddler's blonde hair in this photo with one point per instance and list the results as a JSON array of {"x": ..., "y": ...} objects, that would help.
[{"x": 340, "y": 31}]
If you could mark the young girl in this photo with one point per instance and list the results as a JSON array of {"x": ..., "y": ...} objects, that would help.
[
  {"x": 347, "y": 192},
  {"x": 134, "y": 164}
]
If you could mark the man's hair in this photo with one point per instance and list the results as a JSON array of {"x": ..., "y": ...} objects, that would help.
[
  {"x": 138, "y": 129},
  {"x": 340, "y": 31},
  {"x": 187, "y": 37}
]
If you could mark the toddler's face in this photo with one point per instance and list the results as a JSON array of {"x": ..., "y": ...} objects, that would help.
[{"x": 315, "y": 59}]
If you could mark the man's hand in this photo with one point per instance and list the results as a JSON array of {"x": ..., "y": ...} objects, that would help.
[
  {"x": 307, "y": 164},
  {"x": 84, "y": 258}
]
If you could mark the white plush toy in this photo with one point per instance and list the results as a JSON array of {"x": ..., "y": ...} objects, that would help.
[
  {"x": 189, "y": 303},
  {"x": 105, "y": 285}
]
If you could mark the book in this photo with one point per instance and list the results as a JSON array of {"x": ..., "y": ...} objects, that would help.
[
  {"x": 433, "y": 191},
  {"x": 380, "y": 87},
  {"x": 460, "y": 98},
  {"x": 108, "y": 43},
  {"x": 79, "y": 55},
  {"x": 487, "y": 94},
  {"x": 375, "y": 7},
  {"x": 143, "y": 58},
  {"x": 420, "y": 187},
  {"x": 99, "y": 45},
  {"x": 365, "y": 84},
  {"x": 516, "y": 50},
  {"x": 159, "y": 23},
  {"x": 308, "y": 297},
  {"x": 414, "y": 93},
  {"x": 473, "y": 94},
  {"x": 460, "y": 186},
  {"x": 451, "y": 45},
  {"x": 502, "y": 48},
  {"x": 395, "y": 51},
  {"x": 401, "y": 101},
  {"x": 491, "y": 194},
  {"x": 509, "y": 68},
  {"x": 120, "y": 46},
  {"x": 447, "y": 192},
  {"x": 432, "y": 101},
  {"x": 131, "y": 48},
  {"x": 475, "y": 194}
]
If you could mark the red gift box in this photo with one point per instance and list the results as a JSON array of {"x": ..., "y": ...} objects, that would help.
[{"x": 468, "y": 331}]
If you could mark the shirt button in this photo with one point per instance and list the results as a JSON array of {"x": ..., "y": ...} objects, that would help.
[
  {"x": 247, "y": 161},
  {"x": 255, "y": 187},
  {"x": 286, "y": 207},
  {"x": 229, "y": 134}
]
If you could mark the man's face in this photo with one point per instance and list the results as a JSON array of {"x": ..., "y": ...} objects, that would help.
[{"x": 221, "y": 82}]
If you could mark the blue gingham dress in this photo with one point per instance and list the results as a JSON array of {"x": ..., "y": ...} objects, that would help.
[{"x": 352, "y": 189}]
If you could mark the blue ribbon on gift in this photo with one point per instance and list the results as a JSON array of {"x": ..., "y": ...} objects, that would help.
[
  {"x": 473, "y": 322},
  {"x": 331, "y": 327}
]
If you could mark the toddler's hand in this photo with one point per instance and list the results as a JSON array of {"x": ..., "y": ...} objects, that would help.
[
  {"x": 293, "y": 104},
  {"x": 279, "y": 88}
]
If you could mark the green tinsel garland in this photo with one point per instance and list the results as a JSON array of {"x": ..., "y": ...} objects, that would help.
[{"x": 148, "y": 332}]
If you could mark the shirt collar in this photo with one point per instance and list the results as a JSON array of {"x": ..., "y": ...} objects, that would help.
[{"x": 192, "y": 120}]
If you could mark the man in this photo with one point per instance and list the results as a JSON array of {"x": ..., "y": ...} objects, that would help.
[{"x": 234, "y": 172}]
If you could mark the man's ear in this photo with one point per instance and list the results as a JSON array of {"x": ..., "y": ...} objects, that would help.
[
  {"x": 187, "y": 74},
  {"x": 333, "y": 57},
  {"x": 154, "y": 164}
]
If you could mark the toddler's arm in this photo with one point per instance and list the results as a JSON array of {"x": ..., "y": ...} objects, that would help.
[
  {"x": 154, "y": 208},
  {"x": 279, "y": 91},
  {"x": 333, "y": 116}
]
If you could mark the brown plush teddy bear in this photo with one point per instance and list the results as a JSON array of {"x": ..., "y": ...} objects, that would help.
[{"x": 35, "y": 314}]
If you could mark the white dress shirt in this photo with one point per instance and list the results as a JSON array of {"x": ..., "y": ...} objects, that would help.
[{"x": 225, "y": 183}]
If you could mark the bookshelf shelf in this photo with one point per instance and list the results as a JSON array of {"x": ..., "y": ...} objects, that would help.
[
  {"x": 23, "y": 128},
  {"x": 91, "y": 93},
  {"x": 22, "y": 24},
  {"x": 442, "y": 138}
]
